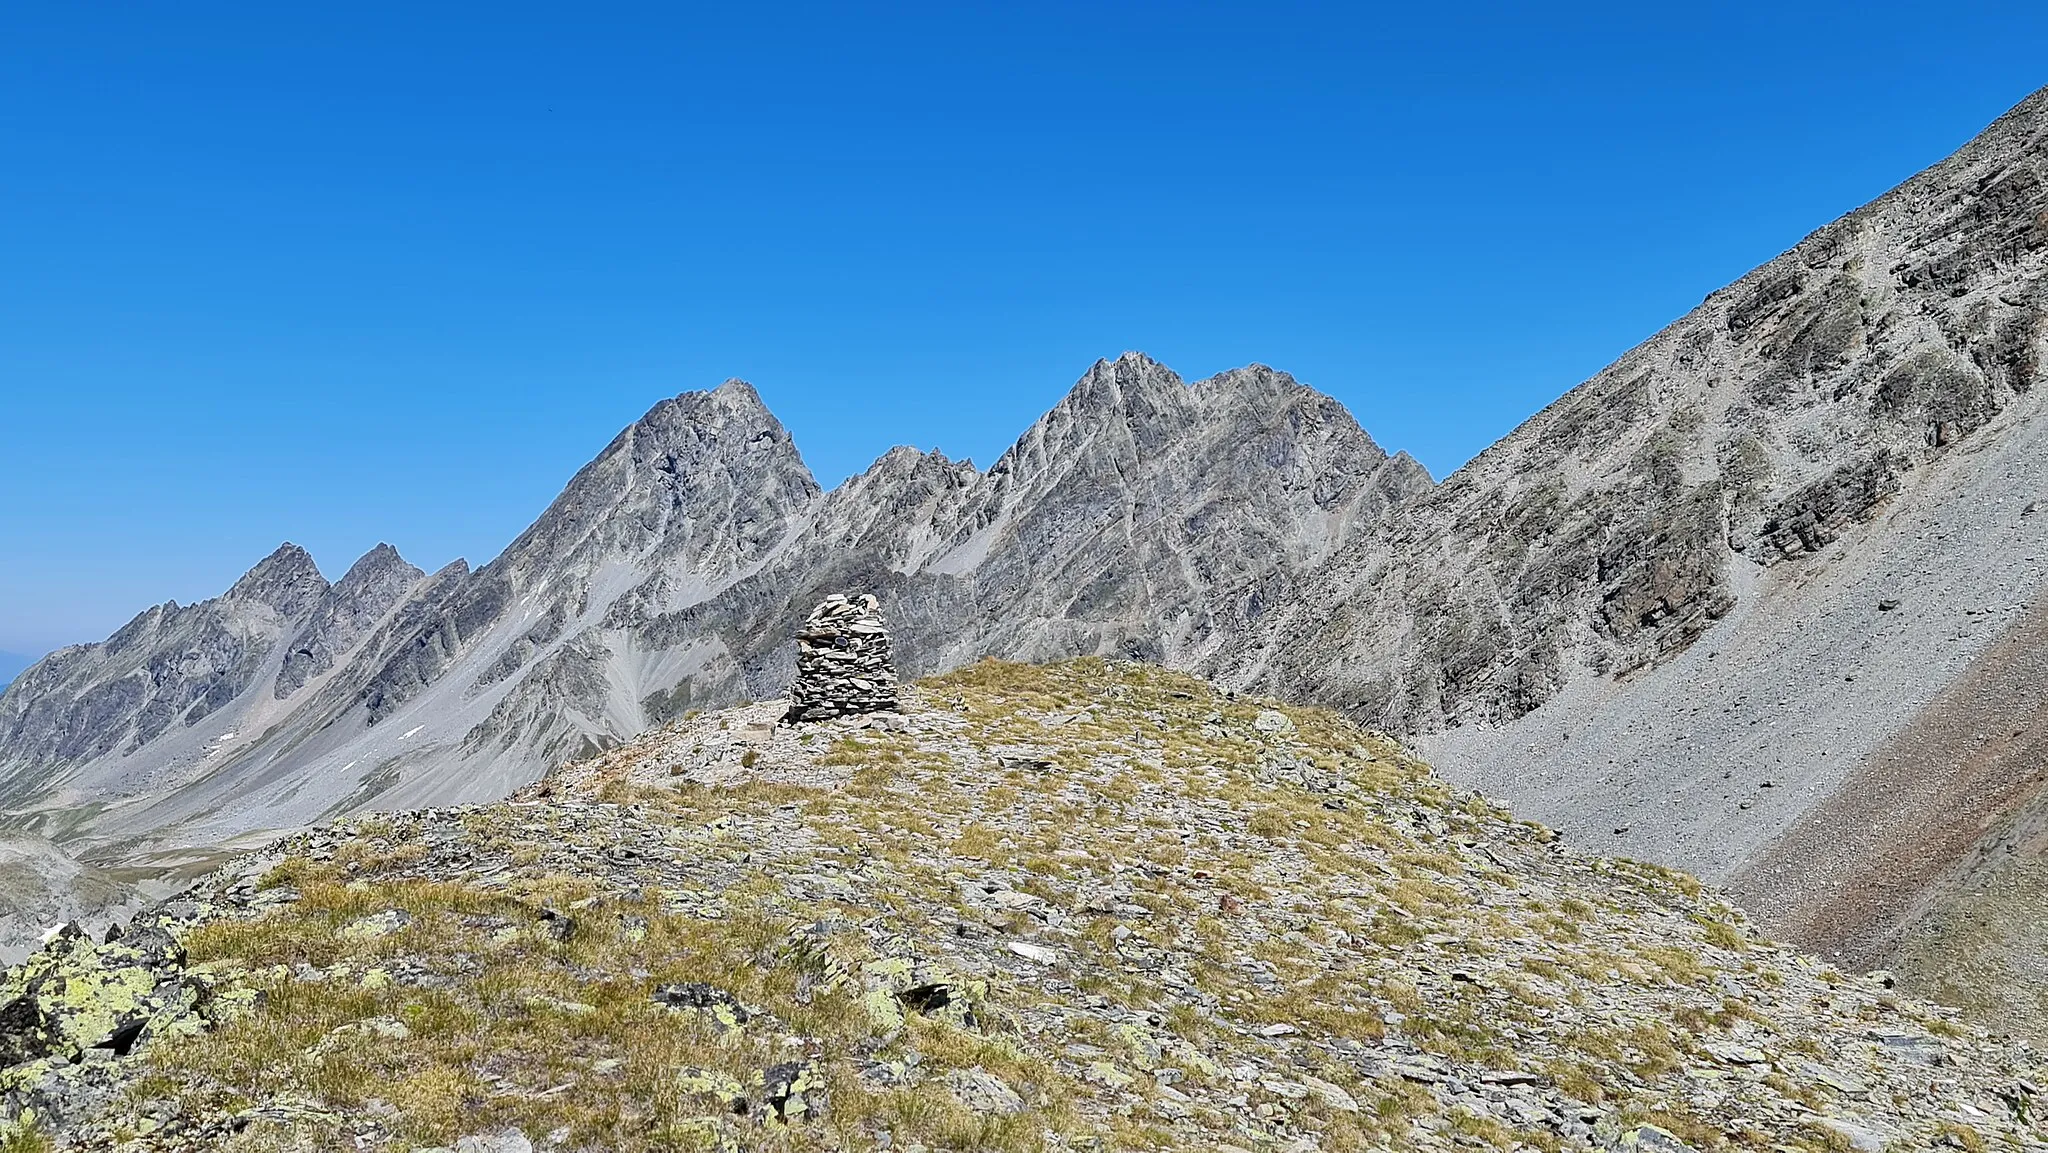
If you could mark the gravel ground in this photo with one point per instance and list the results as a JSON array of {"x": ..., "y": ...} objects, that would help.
[{"x": 1841, "y": 747}]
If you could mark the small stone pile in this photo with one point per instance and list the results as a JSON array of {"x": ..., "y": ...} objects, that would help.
[{"x": 842, "y": 662}]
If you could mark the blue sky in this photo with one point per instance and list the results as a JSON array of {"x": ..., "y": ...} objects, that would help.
[{"x": 373, "y": 273}]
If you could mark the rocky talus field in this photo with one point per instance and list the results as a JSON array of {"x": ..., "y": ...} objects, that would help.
[{"x": 1090, "y": 905}]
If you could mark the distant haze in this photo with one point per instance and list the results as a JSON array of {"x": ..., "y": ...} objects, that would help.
[{"x": 11, "y": 665}]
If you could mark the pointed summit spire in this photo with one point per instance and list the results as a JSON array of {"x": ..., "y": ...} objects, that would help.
[
  {"x": 1132, "y": 386},
  {"x": 287, "y": 580}
]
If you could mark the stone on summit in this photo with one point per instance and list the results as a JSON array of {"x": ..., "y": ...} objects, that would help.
[{"x": 842, "y": 662}]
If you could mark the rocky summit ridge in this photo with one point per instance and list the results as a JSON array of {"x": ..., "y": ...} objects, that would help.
[
  {"x": 1143, "y": 516},
  {"x": 1085, "y": 906}
]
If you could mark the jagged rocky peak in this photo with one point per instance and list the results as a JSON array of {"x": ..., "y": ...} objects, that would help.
[
  {"x": 701, "y": 487},
  {"x": 382, "y": 557},
  {"x": 1311, "y": 439},
  {"x": 1254, "y": 385},
  {"x": 379, "y": 575},
  {"x": 698, "y": 469},
  {"x": 1133, "y": 386},
  {"x": 899, "y": 500},
  {"x": 287, "y": 580},
  {"x": 904, "y": 469},
  {"x": 1134, "y": 408},
  {"x": 727, "y": 429},
  {"x": 348, "y": 612},
  {"x": 905, "y": 460},
  {"x": 166, "y": 670},
  {"x": 1258, "y": 396}
]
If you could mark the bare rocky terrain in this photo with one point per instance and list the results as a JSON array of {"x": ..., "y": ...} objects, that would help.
[
  {"x": 1143, "y": 516},
  {"x": 41, "y": 885},
  {"x": 1756, "y": 601}
]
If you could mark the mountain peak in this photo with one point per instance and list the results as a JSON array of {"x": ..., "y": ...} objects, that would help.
[
  {"x": 729, "y": 424},
  {"x": 732, "y": 401},
  {"x": 373, "y": 566},
  {"x": 381, "y": 558},
  {"x": 728, "y": 417},
  {"x": 1131, "y": 367},
  {"x": 287, "y": 580},
  {"x": 349, "y": 610},
  {"x": 733, "y": 389},
  {"x": 698, "y": 467},
  {"x": 1133, "y": 387},
  {"x": 1252, "y": 384},
  {"x": 285, "y": 557}
]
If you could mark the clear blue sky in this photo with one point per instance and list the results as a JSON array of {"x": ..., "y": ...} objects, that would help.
[{"x": 374, "y": 274}]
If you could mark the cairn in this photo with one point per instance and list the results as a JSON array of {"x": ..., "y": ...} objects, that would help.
[{"x": 842, "y": 662}]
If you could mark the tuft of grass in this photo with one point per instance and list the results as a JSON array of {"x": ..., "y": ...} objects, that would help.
[{"x": 511, "y": 1012}]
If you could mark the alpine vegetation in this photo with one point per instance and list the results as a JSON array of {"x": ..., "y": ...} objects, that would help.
[{"x": 1090, "y": 905}]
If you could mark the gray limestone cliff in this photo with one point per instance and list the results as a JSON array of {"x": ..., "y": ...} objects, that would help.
[
  {"x": 344, "y": 615},
  {"x": 156, "y": 706},
  {"x": 170, "y": 666}
]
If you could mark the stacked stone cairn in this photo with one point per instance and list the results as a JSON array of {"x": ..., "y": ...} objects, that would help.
[{"x": 842, "y": 662}]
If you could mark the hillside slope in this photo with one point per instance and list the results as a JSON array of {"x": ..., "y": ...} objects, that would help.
[
  {"x": 1086, "y": 906},
  {"x": 1800, "y": 539},
  {"x": 1725, "y": 456}
]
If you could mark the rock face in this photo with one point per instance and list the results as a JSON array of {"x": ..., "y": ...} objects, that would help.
[
  {"x": 180, "y": 689},
  {"x": 1686, "y": 562},
  {"x": 1617, "y": 526},
  {"x": 1646, "y": 590},
  {"x": 167, "y": 669},
  {"x": 344, "y": 616},
  {"x": 842, "y": 662}
]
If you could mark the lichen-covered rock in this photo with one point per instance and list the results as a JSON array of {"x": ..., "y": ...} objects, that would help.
[
  {"x": 75, "y": 995},
  {"x": 75, "y": 1005},
  {"x": 984, "y": 1092}
]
